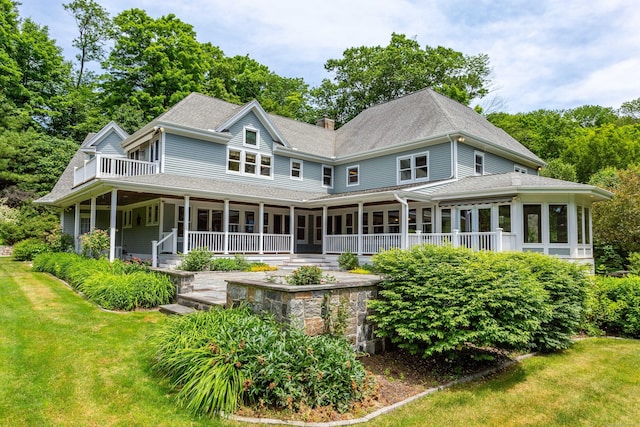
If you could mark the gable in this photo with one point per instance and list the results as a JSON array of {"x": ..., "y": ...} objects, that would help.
[{"x": 106, "y": 141}]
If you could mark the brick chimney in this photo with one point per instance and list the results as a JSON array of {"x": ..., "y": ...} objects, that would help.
[{"x": 326, "y": 123}]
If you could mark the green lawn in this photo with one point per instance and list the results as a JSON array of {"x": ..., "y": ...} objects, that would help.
[{"x": 65, "y": 362}]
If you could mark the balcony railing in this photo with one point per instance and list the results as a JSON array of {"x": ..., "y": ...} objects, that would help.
[{"x": 110, "y": 167}]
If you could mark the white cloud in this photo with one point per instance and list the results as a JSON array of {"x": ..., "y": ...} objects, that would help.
[{"x": 544, "y": 54}]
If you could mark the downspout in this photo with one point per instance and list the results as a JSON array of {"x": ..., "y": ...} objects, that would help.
[
  {"x": 405, "y": 221},
  {"x": 454, "y": 157}
]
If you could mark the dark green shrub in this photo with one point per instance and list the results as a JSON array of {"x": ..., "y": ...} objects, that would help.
[
  {"x": 241, "y": 262},
  {"x": 221, "y": 358},
  {"x": 27, "y": 249},
  {"x": 224, "y": 264},
  {"x": 613, "y": 305},
  {"x": 634, "y": 262},
  {"x": 348, "y": 261},
  {"x": 198, "y": 259},
  {"x": 305, "y": 275},
  {"x": 439, "y": 300},
  {"x": 608, "y": 258}
]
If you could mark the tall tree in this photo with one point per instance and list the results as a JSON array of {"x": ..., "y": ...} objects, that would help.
[
  {"x": 366, "y": 76},
  {"x": 94, "y": 27}
]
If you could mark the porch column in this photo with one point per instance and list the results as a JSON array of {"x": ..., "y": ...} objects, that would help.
[
  {"x": 261, "y": 225},
  {"x": 225, "y": 227},
  {"x": 112, "y": 225},
  {"x": 324, "y": 229},
  {"x": 572, "y": 227},
  {"x": 62, "y": 219},
  {"x": 187, "y": 216},
  {"x": 360, "y": 215},
  {"x": 76, "y": 227},
  {"x": 292, "y": 231},
  {"x": 92, "y": 217}
]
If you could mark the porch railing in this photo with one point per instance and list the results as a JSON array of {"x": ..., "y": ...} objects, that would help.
[
  {"x": 373, "y": 243},
  {"x": 109, "y": 167},
  {"x": 240, "y": 242},
  {"x": 172, "y": 237}
]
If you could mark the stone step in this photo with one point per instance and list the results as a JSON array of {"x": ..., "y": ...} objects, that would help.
[
  {"x": 178, "y": 309},
  {"x": 202, "y": 300}
]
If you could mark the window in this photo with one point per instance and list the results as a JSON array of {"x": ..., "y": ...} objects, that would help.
[
  {"x": 216, "y": 220},
  {"x": 413, "y": 168},
  {"x": 445, "y": 220},
  {"x": 520, "y": 169},
  {"x": 393, "y": 221},
  {"x": 249, "y": 221},
  {"x": 154, "y": 150},
  {"x": 478, "y": 163},
  {"x": 265, "y": 222},
  {"x": 365, "y": 223},
  {"x": 348, "y": 223},
  {"x": 558, "y": 229},
  {"x": 153, "y": 214},
  {"x": 295, "y": 169},
  {"x": 337, "y": 229},
  {"x": 134, "y": 155},
  {"x": 427, "y": 221},
  {"x": 250, "y": 137},
  {"x": 532, "y": 223},
  {"x": 127, "y": 218},
  {"x": 378, "y": 222},
  {"x": 504, "y": 218},
  {"x": 234, "y": 221},
  {"x": 85, "y": 223},
  {"x": 302, "y": 225},
  {"x": 327, "y": 176},
  {"x": 233, "y": 165},
  {"x": 246, "y": 163},
  {"x": 413, "y": 218},
  {"x": 353, "y": 175}
]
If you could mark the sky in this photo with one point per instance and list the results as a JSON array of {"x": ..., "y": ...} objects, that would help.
[{"x": 544, "y": 54}]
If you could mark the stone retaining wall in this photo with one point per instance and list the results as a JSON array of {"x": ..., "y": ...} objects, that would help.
[
  {"x": 312, "y": 307},
  {"x": 183, "y": 280}
]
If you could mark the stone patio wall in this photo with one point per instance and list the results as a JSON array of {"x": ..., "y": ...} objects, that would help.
[{"x": 313, "y": 307}]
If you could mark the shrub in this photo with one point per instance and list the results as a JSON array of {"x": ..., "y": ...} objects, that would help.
[
  {"x": 348, "y": 261},
  {"x": 305, "y": 275},
  {"x": 95, "y": 243},
  {"x": 613, "y": 305},
  {"x": 198, "y": 259},
  {"x": 221, "y": 358},
  {"x": 241, "y": 262},
  {"x": 634, "y": 263},
  {"x": 27, "y": 249},
  {"x": 59, "y": 241},
  {"x": 439, "y": 300},
  {"x": 224, "y": 264}
]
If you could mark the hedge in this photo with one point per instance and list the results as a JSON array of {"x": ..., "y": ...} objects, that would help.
[{"x": 614, "y": 306}]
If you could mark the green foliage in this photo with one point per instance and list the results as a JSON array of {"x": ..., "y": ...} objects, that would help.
[
  {"x": 348, "y": 261},
  {"x": 31, "y": 222},
  {"x": 634, "y": 263},
  {"x": 614, "y": 305},
  {"x": 95, "y": 243},
  {"x": 335, "y": 314},
  {"x": 27, "y": 249},
  {"x": 198, "y": 259},
  {"x": 369, "y": 75},
  {"x": 558, "y": 169},
  {"x": 305, "y": 275},
  {"x": 616, "y": 222},
  {"x": 117, "y": 285},
  {"x": 608, "y": 258},
  {"x": 224, "y": 264},
  {"x": 221, "y": 358},
  {"x": 439, "y": 300}
]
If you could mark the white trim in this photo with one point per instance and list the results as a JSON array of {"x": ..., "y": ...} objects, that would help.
[
  {"x": 357, "y": 175},
  {"x": 261, "y": 115},
  {"x": 246, "y": 129},
  {"x": 152, "y": 218},
  {"x": 97, "y": 138},
  {"x": 300, "y": 169},
  {"x": 127, "y": 218},
  {"x": 412, "y": 168},
  {"x": 322, "y": 176},
  {"x": 478, "y": 155}
]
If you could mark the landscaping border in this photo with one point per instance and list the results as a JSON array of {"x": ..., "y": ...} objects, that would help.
[{"x": 386, "y": 409}]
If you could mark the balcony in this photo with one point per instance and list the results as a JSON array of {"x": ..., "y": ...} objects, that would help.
[{"x": 111, "y": 167}]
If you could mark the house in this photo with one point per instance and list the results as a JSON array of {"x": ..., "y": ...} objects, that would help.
[{"x": 234, "y": 179}]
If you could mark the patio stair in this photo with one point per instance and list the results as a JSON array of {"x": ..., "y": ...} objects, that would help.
[{"x": 311, "y": 259}]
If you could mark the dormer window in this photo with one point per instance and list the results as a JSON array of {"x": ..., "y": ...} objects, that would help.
[
  {"x": 479, "y": 163},
  {"x": 250, "y": 137}
]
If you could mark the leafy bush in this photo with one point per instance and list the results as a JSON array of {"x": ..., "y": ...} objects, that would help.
[
  {"x": 305, "y": 275},
  {"x": 95, "y": 243},
  {"x": 224, "y": 264},
  {"x": 27, "y": 249},
  {"x": 30, "y": 222},
  {"x": 117, "y": 285},
  {"x": 221, "y": 358},
  {"x": 348, "y": 261},
  {"x": 634, "y": 262},
  {"x": 59, "y": 241},
  {"x": 614, "y": 305},
  {"x": 241, "y": 262},
  {"x": 608, "y": 258},
  {"x": 439, "y": 300},
  {"x": 198, "y": 259}
]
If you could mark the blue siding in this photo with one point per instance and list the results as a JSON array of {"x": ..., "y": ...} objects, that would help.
[
  {"x": 496, "y": 164},
  {"x": 69, "y": 222},
  {"x": 382, "y": 171},
  {"x": 465, "y": 161},
  {"x": 110, "y": 144},
  {"x": 194, "y": 157},
  {"x": 137, "y": 239}
]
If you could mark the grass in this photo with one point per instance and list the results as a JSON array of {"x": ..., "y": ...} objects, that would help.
[{"x": 65, "y": 362}]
